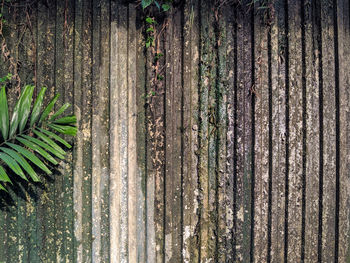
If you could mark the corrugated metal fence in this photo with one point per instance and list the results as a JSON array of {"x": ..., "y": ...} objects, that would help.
[{"x": 240, "y": 154}]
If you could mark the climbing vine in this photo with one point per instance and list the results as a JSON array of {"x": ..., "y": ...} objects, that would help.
[
  {"x": 155, "y": 18},
  {"x": 156, "y": 11}
]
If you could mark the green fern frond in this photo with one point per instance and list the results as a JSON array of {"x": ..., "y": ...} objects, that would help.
[{"x": 30, "y": 136}]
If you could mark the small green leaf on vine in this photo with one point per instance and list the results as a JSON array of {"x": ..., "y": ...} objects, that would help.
[
  {"x": 146, "y": 3},
  {"x": 150, "y": 20},
  {"x": 150, "y": 94},
  {"x": 157, "y": 57},
  {"x": 149, "y": 42},
  {"x": 6, "y": 78},
  {"x": 166, "y": 7}
]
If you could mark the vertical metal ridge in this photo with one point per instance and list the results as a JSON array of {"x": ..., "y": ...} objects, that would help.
[
  {"x": 244, "y": 129},
  {"x": 228, "y": 67},
  {"x": 207, "y": 239},
  {"x": 150, "y": 173},
  {"x": 235, "y": 136},
  {"x": 252, "y": 115},
  {"x": 23, "y": 207},
  {"x": 217, "y": 124},
  {"x": 141, "y": 149},
  {"x": 173, "y": 163},
  {"x": 116, "y": 84},
  {"x": 60, "y": 197},
  {"x": 337, "y": 130},
  {"x": 295, "y": 130},
  {"x": 286, "y": 21},
  {"x": 199, "y": 183},
  {"x": 68, "y": 43},
  {"x": 210, "y": 114},
  {"x": 143, "y": 55},
  {"x": 74, "y": 151},
  {"x": 45, "y": 77},
  {"x": 133, "y": 187},
  {"x": 86, "y": 101},
  {"x": 109, "y": 126},
  {"x": 165, "y": 150},
  {"x": 122, "y": 130},
  {"x": 105, "y": 28},
  {"x": 343, "y": 9},
  {"x": 100, "y": 130},
  {"x": 148, "y": 237},
  {"x": 304, "y": 127},
  {"x": 96, "y": 125},
  {"x": 279, "y": 132},
  {"x": 182, "y": 128},
  {"x": 190, "y": 69},
  {"x": 312, "y": 133},
  {"x": 320, "y": 69},
  {"x": 77, "y": 157},
  {"x": 163, "y": 139},
  {"x": 260, "y": 90},
  {"x": 221, "y": 100},
  {"x": 269, "y": 219},
  {"x": 84, "y": 106},
  {"x": 32, "y": 201},
  {"x": 329, "y": 131}
]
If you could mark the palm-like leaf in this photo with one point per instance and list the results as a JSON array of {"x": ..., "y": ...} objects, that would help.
[{"x": 29, "y": 139}]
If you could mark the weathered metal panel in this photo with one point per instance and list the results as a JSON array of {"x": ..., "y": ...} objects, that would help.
[{"x": 234, "y": 148}]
